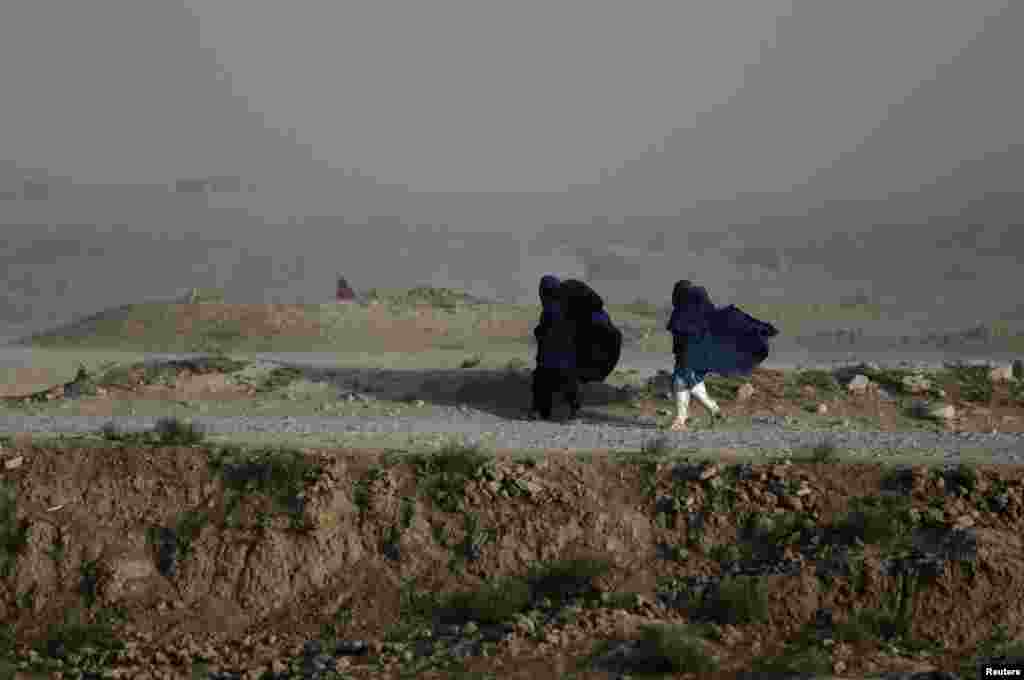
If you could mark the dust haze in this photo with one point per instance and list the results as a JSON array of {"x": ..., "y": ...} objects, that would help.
[{"x": 782, "y": 151}]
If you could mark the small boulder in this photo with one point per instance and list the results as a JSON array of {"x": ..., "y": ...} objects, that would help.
[
  {"x": 858, "y": 384},
  {"x": 1001, "y": 374},
  {"x": 822, "y": 409},
  {"x": 745, "y": 392},
  {"x": 916, "y": 384}
]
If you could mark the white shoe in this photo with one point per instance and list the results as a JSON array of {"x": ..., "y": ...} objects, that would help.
[
  {"x": 701, "y": 392},
  {"x": 682, "y": 409}
]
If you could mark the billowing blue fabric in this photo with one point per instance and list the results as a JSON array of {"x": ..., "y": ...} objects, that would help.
[{"x": 733, "y": 343}]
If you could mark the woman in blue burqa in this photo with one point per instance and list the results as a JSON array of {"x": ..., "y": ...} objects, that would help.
[
  {"x": 556, "y": 352},
  {"x": 707, "y": 340}
]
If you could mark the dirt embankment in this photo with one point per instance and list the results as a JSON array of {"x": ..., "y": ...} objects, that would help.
[{"x": 184, "y": 557}]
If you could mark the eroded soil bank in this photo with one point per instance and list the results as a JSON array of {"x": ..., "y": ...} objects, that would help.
[{"x": 163, "y": 561}]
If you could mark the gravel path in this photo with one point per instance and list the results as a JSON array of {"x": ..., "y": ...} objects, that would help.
[{"x": 768, "y": 433}]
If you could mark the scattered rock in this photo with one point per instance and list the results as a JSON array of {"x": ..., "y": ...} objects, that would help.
[
  {"x": 916, "y": 384},
  {"x": 1001, "y": 374},
  {"x": 858, "y": 384},
  {"x": 745, "y": 392},
  {"x": 944, "y": 412}
]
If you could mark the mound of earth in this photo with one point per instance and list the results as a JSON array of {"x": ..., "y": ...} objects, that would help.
[{"x": 164, "y": 561}]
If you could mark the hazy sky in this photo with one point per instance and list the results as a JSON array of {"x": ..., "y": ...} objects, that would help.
[
  {"x": 471, "y": 94},
  {"x": 452, "y": 95},
  {"x": 806, "y": 98}
]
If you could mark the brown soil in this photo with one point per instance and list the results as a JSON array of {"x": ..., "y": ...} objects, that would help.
[
  {"x": 421, "y": 331},
  {"x": 252, "y": 319},
  {"x": 25, "y": 380},
  {"x": 255, "y": 585}
]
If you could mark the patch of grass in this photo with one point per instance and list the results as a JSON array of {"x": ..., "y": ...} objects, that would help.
[
  {"x": 118, "y": 376},
  {"x": 882, "y": 520},
  {"x": 168, "y": 431},
  {"x": 737, "y": 600},
  {"x": 724, "y": 387},
  {"x": 439, "y": 298},
  {"x": 392, "y": 540},
  {"x": 57, "y": 550},
  {"x": 1017, "y": 392},
  {"x": 975, "y": 384},
  {"x": 339, "y": 622},
  {"x": 190, "y": 525},
  {"x": 279, "y": 377},
  {"x": 85, "y": 381},
  {"x": 361, "y": 493},
  {"x": 173, "y": 431},
  {"x": 567, "y": 579},
  {"x": 872, "y": 624},
  {"x": 495, "y": 602},
  {"x": 159, "y": 373},
  {"x": 774, "y": 531},
  {"x": 963, "y": 477},
  {"x": 95, "y": 576},
  {"x": 826, "y": 451},
  {"x": 794, "y": 661},
  {"x": 891, "y": 379},
  {"x": 445, "y": 473},
  {"x": 516, "y": 365},
  {"x": 672, "y": 648},
  {"x": 216, "y": 336},
  {"x": 276, "y": 472},
  {"x": 87, "y": 644},
  {"x": 474, "y": 539},
  {"x": 821, "y": 380},
  {"x": 472, "y": 362},
  {"x": 415, "y": 607},
  {"x": 13, "y": 532},
  {"x": 641, "y": 307}
]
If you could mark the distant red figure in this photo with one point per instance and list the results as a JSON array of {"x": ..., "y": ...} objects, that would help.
[{"x": 345, "y": 292}]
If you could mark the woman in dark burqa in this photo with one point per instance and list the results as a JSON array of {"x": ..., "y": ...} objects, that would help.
[
  {"x": 556, "y": 352},
  {"x": 708, "y": 340}
]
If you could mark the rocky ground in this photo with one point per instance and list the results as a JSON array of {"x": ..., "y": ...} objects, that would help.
[{"x": 156, "y": 560}]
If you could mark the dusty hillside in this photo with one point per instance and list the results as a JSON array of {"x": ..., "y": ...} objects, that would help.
[{"x": 162, "y": 559}]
